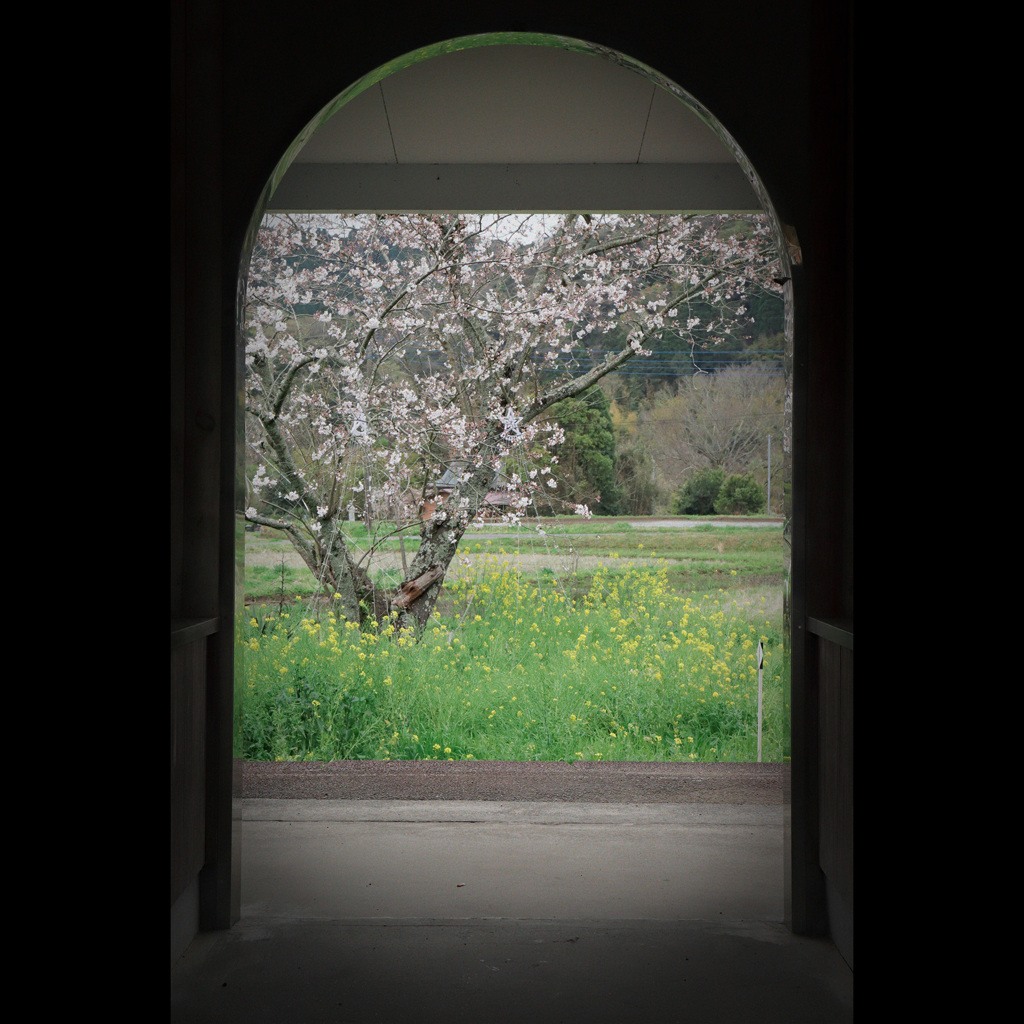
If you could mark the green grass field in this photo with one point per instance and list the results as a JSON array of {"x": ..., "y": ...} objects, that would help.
[
  {"x": 609, "y": 642},
  {"x": 700, "y": 554}
]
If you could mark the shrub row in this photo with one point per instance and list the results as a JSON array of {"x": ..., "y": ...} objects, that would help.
[{"x": 710, "y": 491}]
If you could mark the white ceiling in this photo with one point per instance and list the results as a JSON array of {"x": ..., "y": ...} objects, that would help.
[
  {"x": 515, "y": 105},
  {"x": 514, "y": 127}
]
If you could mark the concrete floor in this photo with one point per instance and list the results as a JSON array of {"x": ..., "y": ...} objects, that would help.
[{"x": 363, "y": 911}]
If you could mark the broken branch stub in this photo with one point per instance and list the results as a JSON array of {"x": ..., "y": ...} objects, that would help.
[{"x": 413, "y": 589}]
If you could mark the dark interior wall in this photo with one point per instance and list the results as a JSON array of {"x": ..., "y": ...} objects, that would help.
[{"x": 248, "y": 75}]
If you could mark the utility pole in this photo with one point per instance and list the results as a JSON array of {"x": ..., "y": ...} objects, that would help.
[{"x": 769, "y": 474}]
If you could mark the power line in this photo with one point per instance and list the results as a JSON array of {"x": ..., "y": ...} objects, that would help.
[{"x": 671, "y": 363}]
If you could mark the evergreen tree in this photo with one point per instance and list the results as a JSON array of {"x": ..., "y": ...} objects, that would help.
[{"x": 586, "y": 458}]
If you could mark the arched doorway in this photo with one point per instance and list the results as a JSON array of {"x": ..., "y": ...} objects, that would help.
[
  {"x": 406, "y": 137},
  {"x": 244, "y": 83}
]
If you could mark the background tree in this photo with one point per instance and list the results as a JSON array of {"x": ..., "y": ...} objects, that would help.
[
  {"x": 739, "y": 495},
  {"x": 586, "y": 457},
  {"x": 634, "y": 474},
  {"x": 634, "y": 466},
  {"x": 699, "y": 492},
  {"x": 721, "y": 421},
  {"x": 383, "y": 350}
]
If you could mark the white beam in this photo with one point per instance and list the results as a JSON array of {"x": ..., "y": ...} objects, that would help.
[{"x": 396, "y": 188}]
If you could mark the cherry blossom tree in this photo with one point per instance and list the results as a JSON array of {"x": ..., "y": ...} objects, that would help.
[{"x": 386, "y": 352}]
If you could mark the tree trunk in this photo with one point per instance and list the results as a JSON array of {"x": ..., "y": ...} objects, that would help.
[
  {"x": 331, "y": 563},
  {"x": 439, "y": 541}
]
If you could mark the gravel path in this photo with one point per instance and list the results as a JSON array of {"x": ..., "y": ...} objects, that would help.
[{"x": 684, "y": 524}]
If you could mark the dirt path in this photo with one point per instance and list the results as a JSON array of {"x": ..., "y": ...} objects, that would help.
[{"x": 621, "y": 782}]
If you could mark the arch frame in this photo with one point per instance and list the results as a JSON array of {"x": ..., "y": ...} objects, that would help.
[
  {"x": 784, "y": 236},
  {"x": 783, "y": 78}
]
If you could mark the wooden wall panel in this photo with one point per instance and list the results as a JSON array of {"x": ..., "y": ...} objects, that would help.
[
  {"x": 188, "y": 763},
  {"x": 835, "y": 836}
]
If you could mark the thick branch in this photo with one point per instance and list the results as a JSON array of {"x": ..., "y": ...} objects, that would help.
[
  {"x": 285, "y": 525},
  {"x": 414, "y": 589},
  {"x": 576, "y": 385},
  {"x": 309, "y": 498},
  {"x": 285, "y": 387}
]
